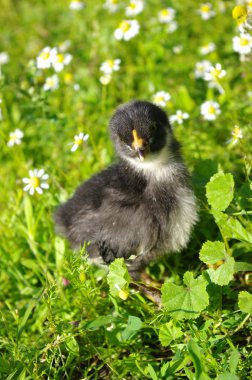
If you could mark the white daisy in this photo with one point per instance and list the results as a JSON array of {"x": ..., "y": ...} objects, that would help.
[
  {"x": 134, "y": 8},
  {"x": 161, "y": 98},
  {"x": 60, "y": 60},
  {"x": 214, "y": 73},
  {"x": 4, "y": 58},
  {"x": 179, "y": 117},
  {"x": 36, "y": 182},
  {"x": 76, "y": 5},
  {"x": 177, "y": 49},
  {"x": 207, "y": 48},
  {"x": 15, "y": 137},
  {"x": 78, "y": 140},
  {"x": 171, "y": 26},
  {"x": 166, "y": 15},
  {"x": 110, "y": 65},
  {"x": 236, "y": 135},
  {"x": 210, "y": 110},
  {"x": 76, "y": 87},
  {"x": 51, "y": 83},
  {"x": 201, "y": 68},
  {"x": 243, "y": 16},
  {"x": 112, "y": 5},
  {"x": 249, "y": 5},
  {"x": 45, "y": 57},
  {"x": 127, "y": 30},
  {"x": 105, "y": 79},
  {"x": 242, "y": 44},
  {"x": 206, "y": 11}
]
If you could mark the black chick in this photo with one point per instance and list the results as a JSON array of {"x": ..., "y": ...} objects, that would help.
[{"x": 141, "y": 207}]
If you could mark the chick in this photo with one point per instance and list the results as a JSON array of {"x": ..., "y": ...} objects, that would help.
[{"x": 141, "y": 207}]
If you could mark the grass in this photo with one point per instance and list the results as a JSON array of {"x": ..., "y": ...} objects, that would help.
[{"x": 59, "y": 318}]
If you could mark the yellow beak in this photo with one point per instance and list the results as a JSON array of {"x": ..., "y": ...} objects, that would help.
[{"x": 138, "y": 145}]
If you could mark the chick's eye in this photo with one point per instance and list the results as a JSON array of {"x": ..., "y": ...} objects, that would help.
[{"x": 153, "y": 128}]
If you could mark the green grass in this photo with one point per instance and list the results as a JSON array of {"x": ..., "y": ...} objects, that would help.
[{"x": 59, "y": 317}]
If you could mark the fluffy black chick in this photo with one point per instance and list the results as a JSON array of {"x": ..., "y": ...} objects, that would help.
[{"x": 141, "y": 207}]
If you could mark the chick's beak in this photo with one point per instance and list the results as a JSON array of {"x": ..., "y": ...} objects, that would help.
[{"x": 138, "y": 145}]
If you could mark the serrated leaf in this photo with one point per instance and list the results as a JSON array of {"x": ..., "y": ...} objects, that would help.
[
  {"x": 245, "y": 302},
  {"x": 133, "y": 326},
  {"x": 169, "y": 332},
  {"x": 212, "y": 251},
  {"x": 232, "y": 227},
  {"x": 220, "y": 191},
  {"x": 185, "y": 302},
  {"x": 224, "y": 273},
  {"x": 118, "y": 278}
]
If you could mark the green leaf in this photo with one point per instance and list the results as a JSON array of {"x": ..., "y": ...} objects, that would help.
[
  {"x": 231, "y": 227},
  {"x": 185, "y": 302},
  {"x": 214, "y": 253},
  {"x": 72, "y": 345},
  {"x": 195, "y": 353},
  {"x": 169, "y": 332},
  {"x": 245, "y": 302},
  {"x": 242, "y": 267},
  {"x": 224, "y": 273},
  {"x": 234, "y": 360},
  {"x": 118, "y": 279},
  {"x": 220, "y": 191},
  {"x": 133, "y": 326},
  {"x": 184, "y": 99},
  {"x": 152, "y": 372},
  {"x": 227, "y": 376},
  {"x": 164, "y": 368},
  {"x": 101, "y": 321},
  {"x": 25, "y": 317},
  {"x": 59, "y": 245},
  {"x": 29, "y": 218}
]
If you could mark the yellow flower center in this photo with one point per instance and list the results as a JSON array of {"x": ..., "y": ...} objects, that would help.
[
  {"x": 110, "y": 63},
  {"x": 68, "y": 78},
  {"x": 60, "y": 58},
  {"x": 215, "y": 73},
  {"x": 211, "y": 110},
  {"x": 165, "y": 12},
  {"x": 205, "y": 8},
  {"x": 132, "y": 6},
  {"x": 50, "y": 82},
  {"x": 237, "y": 133},
  {"x": 13, "y": 137},
  {"x": 123, "y": 294},
  {"x": 240, "y": 14},
  {"x": 78, "y": 141},
  {"x": 44, "y": 55},
  {"x": 35, "y": 182},
  {"x": 158, "y": 99},
  {"x": 124, "y": 26},
  {"x": 244, "y": 41}
]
